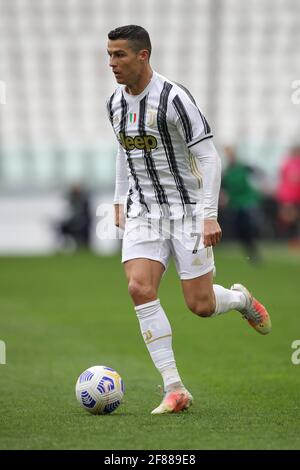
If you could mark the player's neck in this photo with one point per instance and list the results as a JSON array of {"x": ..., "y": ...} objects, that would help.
[{"x": 139, "y": 86}]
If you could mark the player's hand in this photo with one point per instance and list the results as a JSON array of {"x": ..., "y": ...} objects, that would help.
[
  {"x": 119, "y": 216},
  {"x": 212, "y": 232}
]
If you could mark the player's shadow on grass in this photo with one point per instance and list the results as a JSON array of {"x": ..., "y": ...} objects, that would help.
[{"x": 105, "y": 416}]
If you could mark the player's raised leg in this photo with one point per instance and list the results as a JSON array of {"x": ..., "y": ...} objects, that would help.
[
  {"x": 255, "y": 312},
  {"x": 208, "y": 300},
  {"x": 144, "y": 277}
]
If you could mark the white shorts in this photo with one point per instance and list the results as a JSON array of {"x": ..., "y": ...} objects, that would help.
[{"x": 159, "y": 240}]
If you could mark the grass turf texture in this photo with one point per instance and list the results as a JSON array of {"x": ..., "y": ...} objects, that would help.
[{"x": 60, "y": 315}]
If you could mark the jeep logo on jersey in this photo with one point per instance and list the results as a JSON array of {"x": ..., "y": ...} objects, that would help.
[{"x": 145, "y": 142}]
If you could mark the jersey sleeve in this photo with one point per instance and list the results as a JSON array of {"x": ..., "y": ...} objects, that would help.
[
  {"x": 121, "y": 181},
  {"x": 108, "y": 106},
  {"x": 209, "y": 162},
  {"x": 190, "y": 122}
]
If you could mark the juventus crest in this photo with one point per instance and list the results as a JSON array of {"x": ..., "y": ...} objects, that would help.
[{"x": 151, "y": 117}]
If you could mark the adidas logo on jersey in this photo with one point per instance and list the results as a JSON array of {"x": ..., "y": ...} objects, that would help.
[
  {"x": 145, "y": 142},
  {"x": 196, "y": 262}
]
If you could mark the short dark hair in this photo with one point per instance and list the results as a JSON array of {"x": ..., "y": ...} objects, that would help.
[{"x": 138, "y": 37}]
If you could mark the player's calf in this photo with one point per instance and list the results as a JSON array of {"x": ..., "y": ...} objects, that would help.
[{"x": 203, "y": 307}]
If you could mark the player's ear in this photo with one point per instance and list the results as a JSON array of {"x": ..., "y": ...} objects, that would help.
[{"x": 144, "y": 55}]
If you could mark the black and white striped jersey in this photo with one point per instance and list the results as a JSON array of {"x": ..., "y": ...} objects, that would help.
[{"x": 155, "y": 131}]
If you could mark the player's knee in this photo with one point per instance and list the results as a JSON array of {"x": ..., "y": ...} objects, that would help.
[
  {"x": 140, "y": 292},
  {"x": 203, "y": 307}
]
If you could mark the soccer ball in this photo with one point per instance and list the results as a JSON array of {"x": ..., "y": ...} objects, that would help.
[{"x": 99, "y": 390}]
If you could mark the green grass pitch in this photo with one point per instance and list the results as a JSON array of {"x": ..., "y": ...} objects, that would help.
[{"x": 62, "y": 314}]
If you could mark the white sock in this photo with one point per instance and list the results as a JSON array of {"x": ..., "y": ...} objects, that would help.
[
  {"x": 227, "y": 300},
  {"x": 157, "y": 334}
]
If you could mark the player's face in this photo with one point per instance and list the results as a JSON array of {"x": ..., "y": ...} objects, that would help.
[{"x": 126, "y": 64}]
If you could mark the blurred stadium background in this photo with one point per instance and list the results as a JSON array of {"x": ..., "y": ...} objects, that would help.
[{"x": 239, "y": 58}]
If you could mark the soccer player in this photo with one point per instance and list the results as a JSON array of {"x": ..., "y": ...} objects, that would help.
[
  {"x": 243, "y": 202},
  {"x": 167, "y": 185}
]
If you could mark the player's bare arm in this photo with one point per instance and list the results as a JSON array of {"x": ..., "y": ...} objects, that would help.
[
  {"x": 121, "y": 188},
  {"x": 119, "y": 216}
]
